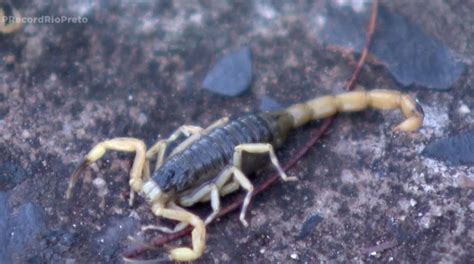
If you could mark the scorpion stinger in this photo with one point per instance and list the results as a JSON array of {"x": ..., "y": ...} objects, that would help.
[{"x": 208, "y": 164}]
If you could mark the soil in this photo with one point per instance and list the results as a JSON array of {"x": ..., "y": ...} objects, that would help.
[{"x": 136, "y": 68}]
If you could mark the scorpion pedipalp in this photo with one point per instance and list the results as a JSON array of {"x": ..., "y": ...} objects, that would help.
[{"x": 75, "y": 175}]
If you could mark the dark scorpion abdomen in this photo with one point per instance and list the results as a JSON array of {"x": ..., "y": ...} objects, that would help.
[{"x": 208, "y": 155}]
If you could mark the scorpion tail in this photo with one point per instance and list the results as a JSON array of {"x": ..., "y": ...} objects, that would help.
[{"x": 326, "y": 106}]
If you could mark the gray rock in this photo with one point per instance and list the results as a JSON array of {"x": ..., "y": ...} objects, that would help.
[
  {"x": 268, "y": 104},
  {"x": 309, "y": 225},
  {"x": 19, "y": 231},
  {"x": 456, "y": 150},
  {"x": 4, "y": 258},
  {"x": 410, "y": 55},
  {"x": 232, "y": 75}
]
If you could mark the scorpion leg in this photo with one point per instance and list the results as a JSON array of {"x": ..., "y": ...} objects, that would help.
[
  {"x": 212, "y": 192},
  {"x": 191, "y": 139},
  {"x": 198, "y": 234},
  {"x": 216, "y": 124},
  {"x": 229, "y": 188},
  {"x": 256, "y": 148},
  {"x": 259, "y": 148},
  {"x": 245, "y": 183},
  {"x": 117, "y": 144},
  {"x": 204, "y": 193},
  {"x": 209, "y": 192},
  {"x": 239, "y": 180},
  {"x": 160, "y": 147}
]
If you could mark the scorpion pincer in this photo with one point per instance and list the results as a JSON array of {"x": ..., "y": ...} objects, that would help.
[{"x": 208, "y": 163}]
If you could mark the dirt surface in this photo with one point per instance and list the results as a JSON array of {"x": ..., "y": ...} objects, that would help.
[{"x": 136, "y": 68}]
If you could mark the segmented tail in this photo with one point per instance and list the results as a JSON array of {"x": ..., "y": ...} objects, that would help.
[{"x": 326, "y": 106}]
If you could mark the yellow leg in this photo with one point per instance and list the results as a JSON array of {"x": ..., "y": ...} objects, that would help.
[
  {"x": 255, "y": 148},
  {"x": 223, "y": 185},
  {"x": 198, "y": 234},
  {"x": 117, "y": 144},
  {"x": 245, "y": 183},
  {"x": 229, "y": 188},
  {"x": 204, "y": 193},
  {"x": 160, "y": 147},
  {"x": 217, "y": 123},
  {"x": 259, "y": 148},
  {"x": 194, "y": 137}
]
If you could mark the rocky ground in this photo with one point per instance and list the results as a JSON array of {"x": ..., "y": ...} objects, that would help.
[{"x": 136, "y": 68}]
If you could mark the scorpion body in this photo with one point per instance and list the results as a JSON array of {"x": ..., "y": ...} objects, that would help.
[
  {"x": 209, "y": 164},
  {"x": 210, "y": 153}
]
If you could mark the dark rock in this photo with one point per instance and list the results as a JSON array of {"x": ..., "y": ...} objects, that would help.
[
  {"x": 309, "y": 225},
  {"x": 11, "y": 174},
  {"x": 19, "y": 232},
  {"x": 231, "y": 75},
  {"x": 4, "y": 258},
  {"x": 268, "y": 104},
  {"x": 349, "y": 190},
  {"x": 410, "y": 55},
  {"x": 25, "y": 226},
  {"x": 108, "y": 241},
  {"x": 4, "y": 110},
  {"x": 456, "y": 150}
]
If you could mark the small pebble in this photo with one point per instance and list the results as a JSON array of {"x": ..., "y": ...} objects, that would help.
[
  {"x": 9, "y": 59},
  {"x": 471, "y": 206},
  {"x": 232, "y": 75},
  {"x": 309, "y": 225},
  {"x": 464, "y": 109},
  {"x": 294, "y": 256}
]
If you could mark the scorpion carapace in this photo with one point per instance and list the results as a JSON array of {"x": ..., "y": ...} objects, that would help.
[{"x": 208, "y": 163}]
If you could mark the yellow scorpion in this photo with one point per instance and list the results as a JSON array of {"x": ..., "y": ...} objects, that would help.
[{"x": 208, "y": 163}]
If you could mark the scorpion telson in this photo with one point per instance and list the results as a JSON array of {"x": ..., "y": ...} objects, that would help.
[{"x": 208, "y": 163}]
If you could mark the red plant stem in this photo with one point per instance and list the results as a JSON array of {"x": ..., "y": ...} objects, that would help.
[
  {"x": 365, "y": 51},
  {"x": 160, "y": 241}
]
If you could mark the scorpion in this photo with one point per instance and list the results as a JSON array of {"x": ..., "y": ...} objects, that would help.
[{"x": 208, "y": 163}]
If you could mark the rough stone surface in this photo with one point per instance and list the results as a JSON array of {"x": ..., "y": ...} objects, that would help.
[{"x": 136, "y": 69}]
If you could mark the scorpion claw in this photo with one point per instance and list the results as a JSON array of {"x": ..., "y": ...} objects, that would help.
[{"x": 75, "y": 176}]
